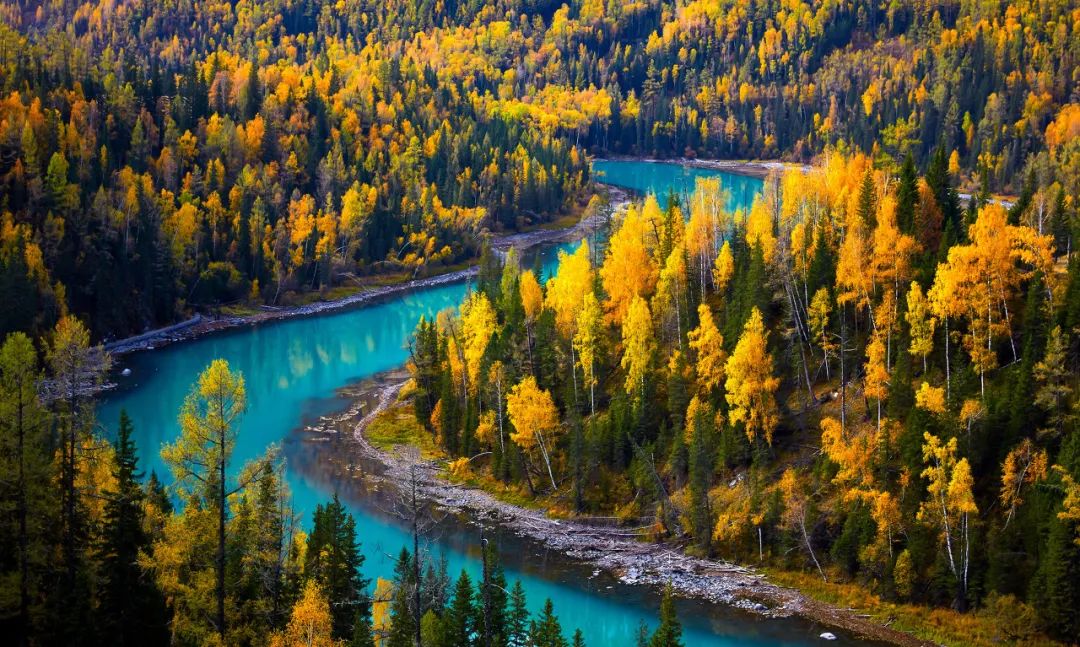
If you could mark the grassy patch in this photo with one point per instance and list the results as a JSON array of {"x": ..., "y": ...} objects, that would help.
[
  {"x": 398, "y": 426},
  {"x": 1001, "y": 623},
  {"x": 240, "y": 310},
  {"x": 511, "y": 494}
]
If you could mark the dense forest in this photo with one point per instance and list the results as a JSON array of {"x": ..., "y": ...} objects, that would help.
[
  {"x": 860, "y": 377},
  {"x": 162, "y": 157},
  {"x": 95, "y": 552},
  {"x": 870, "y": 376}
]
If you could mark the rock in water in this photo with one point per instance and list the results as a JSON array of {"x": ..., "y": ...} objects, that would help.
[
  {"x": 126, "y": 372},
  {"x": 828, "y": 635}
]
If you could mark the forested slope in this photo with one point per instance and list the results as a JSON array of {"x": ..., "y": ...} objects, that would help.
[
  {"x": 857, "y": 378},
  {"x": 163, "y": 156}
]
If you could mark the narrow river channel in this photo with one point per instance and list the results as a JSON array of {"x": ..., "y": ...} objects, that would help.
[{"x": 294, "y": 369}]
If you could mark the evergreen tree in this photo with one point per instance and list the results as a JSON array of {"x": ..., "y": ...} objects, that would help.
[
  {"x": 907, "y": 196},
  {"x": 461, "y": 615},
  {"x": 867, "y": 204},
  {"x": 26, "y": 478},
  {"x": 132, "y": 610},
  {"x": 702, "y": 459},
  {"x": 252, "y": 93},
  {"x": 1055, "y": 590},
  {"x": 76, "y": 369},
  {"x": 334, "y": 561},
  {"x": 402, "y": 620},
  {"x": 669, "y": 633},
  {"x": 545, "y": 630},
  {"x": 517, "y": 621}
]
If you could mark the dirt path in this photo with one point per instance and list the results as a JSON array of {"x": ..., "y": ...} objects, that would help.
[{"x": 613, "y": 549}]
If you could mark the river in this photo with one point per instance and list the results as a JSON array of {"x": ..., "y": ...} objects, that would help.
[{"x": 294, "y": 369}]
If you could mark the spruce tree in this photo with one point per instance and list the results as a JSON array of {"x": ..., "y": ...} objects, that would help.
[
  {"x": 132, "y": 610},
  {"x": 334, "y": 561},
  {"x": 1055, "y": 590},
  {"x": 702, "y": 458},
  {"x": 26, "y": 482},
  {"x": 545, "y": 630},
  {"x": 402, "y": 618},
  {"x": 907, "y": 196},
  {"x": 669, "y": 633},
  {"x": 517, "y": 621},
  {"x": 460, "y": 616}
]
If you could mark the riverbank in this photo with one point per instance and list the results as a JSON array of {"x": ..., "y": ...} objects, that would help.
[
  {"x": 613, "y": 549},
  {"x": 200, "y": 325}
]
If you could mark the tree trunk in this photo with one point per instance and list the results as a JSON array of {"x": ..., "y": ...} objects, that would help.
[{"x": 221, "y": 539}]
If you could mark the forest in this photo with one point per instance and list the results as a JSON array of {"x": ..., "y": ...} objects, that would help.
[
  {"x": 859, "y": 376},
  {"x": 96, "y": 552},
  {"x": 869, "y": 378},
  {"x": 159, "y": 158}
]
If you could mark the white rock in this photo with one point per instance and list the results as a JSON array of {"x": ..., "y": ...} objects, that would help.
[
  {"x": 828, "y": 635},
  {"x": 126, "y": 372}
]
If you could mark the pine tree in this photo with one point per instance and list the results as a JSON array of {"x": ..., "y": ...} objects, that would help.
[
  {"x": 867, "y": 204},
  {"x": 461, "y": 615},
  {"x": 669, "y": 633},
  {"x": 130, "y": 604},
  {"x": 579, "y": 639},
  {"x": 545, "y": 630},
  {"x": 334, "y": 561},
  {"x": 77, "y": 369},
  {"x": 702, "y": 458},
  {"x": 252, "y": 92},
  {"x": 517, "y": 621},
  {"x": 907, "y": 196},
  {"x": 1055, "y": 589}
]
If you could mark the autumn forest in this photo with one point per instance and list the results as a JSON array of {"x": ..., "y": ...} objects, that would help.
[{"x": 865, "y": 384}]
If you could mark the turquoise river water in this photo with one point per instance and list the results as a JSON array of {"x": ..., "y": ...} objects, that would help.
[{"x": 294, "y": 369}]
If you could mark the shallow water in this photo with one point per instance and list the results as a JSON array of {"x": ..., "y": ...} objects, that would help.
[{"x": 293, "y": 369}]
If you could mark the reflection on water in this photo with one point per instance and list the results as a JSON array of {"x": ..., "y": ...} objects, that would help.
[{"x": 293, "y": 368}]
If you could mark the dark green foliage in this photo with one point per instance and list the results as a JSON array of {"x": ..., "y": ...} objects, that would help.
[
  {"x": 669, "y": 633},
  {"x": 907, "y": 196},
  {"x": 517, "y": 618},
  {"x": 461, "y": 614},
  {"x": 132, "y": 611},
  {"x": 1055, "y": 590},
  {"x": 334, "y": 561},
  {"x": 545, "y": 630},
  {"x": 702, "y": 459}
]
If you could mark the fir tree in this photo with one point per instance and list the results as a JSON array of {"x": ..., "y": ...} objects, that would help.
[
  {"x": 461, "y": 615},
  {"x": 702, "y": 459},
  {"x": 132, "y": 610},
  {"x": 669, "y": 633},
  {"x": 545, "y": 630},
  {"x": 334, "y": 561},
  {"x": 907, "y": 196},
  {"x": 517, "y": 621}
]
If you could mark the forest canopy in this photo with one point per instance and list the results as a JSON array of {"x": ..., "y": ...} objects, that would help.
[{"x": 159, "y": 158}]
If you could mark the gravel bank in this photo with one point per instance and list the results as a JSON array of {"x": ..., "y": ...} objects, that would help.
[{"x": 612, "y": 549}]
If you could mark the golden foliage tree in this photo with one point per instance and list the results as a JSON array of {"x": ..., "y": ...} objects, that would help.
[
  {"x": 310, "y": 623},
  {"x": 708, "y": 346},
  {"x": 535, "y": 420},
  {"x": 629, "y": 269},
  {"x": 638, "y": 346},
  {"x": 751, "y": 386},
  {"x": 950, "y": 504}
]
